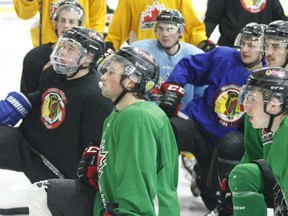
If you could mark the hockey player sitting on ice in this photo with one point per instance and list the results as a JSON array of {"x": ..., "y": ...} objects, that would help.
[
  {"x": 276, "y": 53},
  {"x": 67, "y": 113},
  {"x": 255, "y": 181},
  {"x": 68, "y": 14},
  {"x": 138, "y": 157},
  {"x": 168, "y": 50},
  {"x": 216, "y": 114}
]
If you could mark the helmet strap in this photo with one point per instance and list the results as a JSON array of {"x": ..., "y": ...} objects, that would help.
[{"x": 270, "y": 123}]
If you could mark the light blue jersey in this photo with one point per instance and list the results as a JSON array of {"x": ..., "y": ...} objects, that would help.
[{"x": 167, "y": 63}]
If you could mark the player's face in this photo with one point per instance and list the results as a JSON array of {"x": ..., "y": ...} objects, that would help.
[
  {"x": 167, "y": 34},
  {"x": 110, "y": 80},
  {"x": 250, "y": 51},
  {"x": 275, "y": 52},
  {"x": 254, "y": 106},
  {"x": 66, "y": 20},
  {"x": 70, "y": 52}
]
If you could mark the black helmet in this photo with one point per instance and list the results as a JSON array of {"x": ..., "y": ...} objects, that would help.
[
  {"x": 171, "y": 16},
  {"x": 272, "y": 82},
  {"x": 69, "y": 5},
  {"x": 277, "y": 29},
  {"x": 252, "y": 31},
  {"x": 139, "y": 65},
  {"x": 88, "y": 40}
]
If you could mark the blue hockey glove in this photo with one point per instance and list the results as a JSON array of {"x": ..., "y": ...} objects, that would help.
[
  {"x": 15, "y": 107},
  {"x": 171, "y": 101},
  {"x": 87, "y": 171}
]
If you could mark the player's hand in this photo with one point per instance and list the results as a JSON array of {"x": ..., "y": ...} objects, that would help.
[
  {"x": 207, "y": 45},
  {"x": 171, "y": 102},
  {"x": 15, "y": 107},
  {"x": 87, "y": 169},
  {"x": 156, "y": 94}
]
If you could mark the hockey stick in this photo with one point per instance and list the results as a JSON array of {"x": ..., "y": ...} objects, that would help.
[
  {"x": 14, "y": 211},
  {"x": 40, "y": 22}
]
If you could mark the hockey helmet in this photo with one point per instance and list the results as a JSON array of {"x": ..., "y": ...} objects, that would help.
[
  {"x": 139, "y": 65},
  {"x": 171, "y": 16},
  {"x": 272, "y": 82},
  {"x": 79, "y": 41},
  {"x": 69, "y": 5},
  {"x": 253, "y": 32}
]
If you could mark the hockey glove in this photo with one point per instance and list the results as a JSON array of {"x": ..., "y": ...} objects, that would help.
[
  {"x": 15, "y": 107},
  {"x": 171, "y": 102},
  {"x": 224, "y": 205},
  {"x": 87, "y": 169},
  {"x": 156, "y": 94},
  {"x": 207, "y": 45}
]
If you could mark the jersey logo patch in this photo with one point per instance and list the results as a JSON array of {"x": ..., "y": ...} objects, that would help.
[
  {"x": 226, "y": 107},
  {"x": 148, "y": 17},
  {"x": 267, "y": 137},
  {"x": 53, "y": 108},
  {"x": 53, "y": 8},
  {"x": 101, "y": 160},
  {"x": 253, "y": 6}
]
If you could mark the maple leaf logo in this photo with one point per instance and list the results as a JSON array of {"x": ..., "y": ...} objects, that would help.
[
  {"x": 101, "y": 160},
  {"x": 152, "y": 18},
  {"x": 148, "y": 17}
]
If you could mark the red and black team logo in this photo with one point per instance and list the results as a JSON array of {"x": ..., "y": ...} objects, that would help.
[
  {"x": 253, "y": 6},
  {"x": 53, "y": 108},
  {"x": 226, "y": 107}
]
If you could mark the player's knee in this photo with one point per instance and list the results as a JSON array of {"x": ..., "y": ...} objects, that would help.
[
  {"x": 245, "y": 177},
  {"x": 37, "y": 199}
]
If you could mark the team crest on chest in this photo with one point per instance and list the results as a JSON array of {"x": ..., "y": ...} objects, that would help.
[
  {"x": 226, "y": 107},
  {"x": 253, "y": 6},
  {"x": 148, "y": 17},
  {"x": 53, "y": 8},
  {"x": 53, "y": 108}
]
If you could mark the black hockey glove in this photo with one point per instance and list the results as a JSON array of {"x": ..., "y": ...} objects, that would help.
[
  {"x": 87, "y": 169},
  {"x": 172, "y": 96},
  {"x": 207, "y": 45},
  {"x": 224, "y": 205}
]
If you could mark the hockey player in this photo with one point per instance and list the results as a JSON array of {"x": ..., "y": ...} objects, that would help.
[
  {"x": 68, "y": 14},
  {"x": 43, "y": 31},
  {"x": 127, "y": 184},
  {"x": 68, "y": 112},
  {"x": 168, "y": 50},
  {"x": 276, "y": 52},
  {"x": 134, "y": 20},
  {"x": 265, "y": 101},
  {"x": 212, "y": 117}
]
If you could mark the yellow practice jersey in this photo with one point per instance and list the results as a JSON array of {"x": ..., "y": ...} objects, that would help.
[
  {"x": 95, "y": 17},
  {"x": 135, "y": 18}
]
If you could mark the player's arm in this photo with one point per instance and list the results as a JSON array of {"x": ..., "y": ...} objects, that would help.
[{"x": 26, "y": 9}]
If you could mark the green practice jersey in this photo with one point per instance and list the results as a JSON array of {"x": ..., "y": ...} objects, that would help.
[{"x": 138, "y": 161}]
